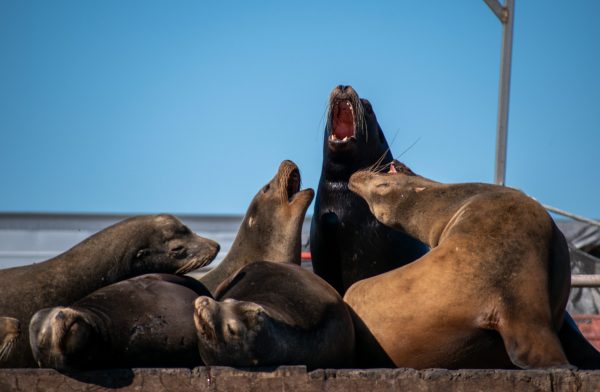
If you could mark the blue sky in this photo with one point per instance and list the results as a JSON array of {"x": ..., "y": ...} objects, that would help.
[{"x": 188, "y": 106}]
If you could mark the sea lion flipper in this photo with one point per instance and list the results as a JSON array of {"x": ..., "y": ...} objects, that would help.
[{"x": 531, "y": 346}]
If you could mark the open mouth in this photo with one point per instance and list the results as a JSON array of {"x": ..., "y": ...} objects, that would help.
[
  {"x": 292, "y": 184},
  {"x": 399, "y": 167},
  {"x": 343, "y": 128}
]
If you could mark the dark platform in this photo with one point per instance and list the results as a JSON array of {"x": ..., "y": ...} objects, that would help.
[{"x": 298, "y": 379}]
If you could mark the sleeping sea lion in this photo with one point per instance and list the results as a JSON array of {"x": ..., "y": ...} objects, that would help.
[
  {"x": 135, "y": 246},
  {"x": 271, "y": 314},
  {"x": 144, "y": 321}
]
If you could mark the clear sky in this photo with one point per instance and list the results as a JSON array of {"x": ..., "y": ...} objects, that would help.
[{"x": 189, "y": 106}]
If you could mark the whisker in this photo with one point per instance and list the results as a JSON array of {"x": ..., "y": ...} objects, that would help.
[
  {"x": 409, "y": 147},
  {"x": 385, "y": 167},
  {"x": 381, "y": 158},
  {"x": 324, "y": 119},
  {"x": 373, "y": 167}
]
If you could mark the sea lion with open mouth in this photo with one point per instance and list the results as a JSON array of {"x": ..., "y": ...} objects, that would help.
[
  {"x": 495, "y": 282},
  {"x": 347, "y": 243},
  {"x": 270, "y": 229},
  {"x": 135, "y": 246}
]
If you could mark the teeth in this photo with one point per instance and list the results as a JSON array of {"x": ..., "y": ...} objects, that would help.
[{"x": 345, "y": 139}]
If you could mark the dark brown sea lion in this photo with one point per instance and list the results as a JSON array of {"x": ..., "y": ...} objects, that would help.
[
  {"x": 136, "y": 246},
  {"x": 347, "y": 243},
  {"x": 144, "y": 321},
  {"x": 271, "y": 228},
  {"x": 10, "y": 329},
  {"x": 271, "y": 314},
  {"x": 497, "y": 263}
]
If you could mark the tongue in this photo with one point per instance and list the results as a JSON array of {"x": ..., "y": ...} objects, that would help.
[{"x": 343, "y": 123}]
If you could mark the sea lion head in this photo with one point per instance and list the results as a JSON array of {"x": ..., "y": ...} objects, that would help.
[
  {"x": 10, "y": 330},
  {"x": 353, "y": 136},
  {"x": 164, "y": 244},
  {"x": 276, "y": 214},
  {"x": 389, "y": 193},
  {"x": 63, "y": 338},
  {"x": 230, "y": 332}
]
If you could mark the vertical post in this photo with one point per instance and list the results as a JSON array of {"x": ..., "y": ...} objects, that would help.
[{"x": 506, "y": 16}]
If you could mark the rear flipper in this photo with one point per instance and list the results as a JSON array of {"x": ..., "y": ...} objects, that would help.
[
  {"x": 533, "y": 346},
  {"x": 578, "y": 350}
]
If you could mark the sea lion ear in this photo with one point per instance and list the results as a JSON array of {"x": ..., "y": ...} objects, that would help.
[{"x": 420, "y": 189}]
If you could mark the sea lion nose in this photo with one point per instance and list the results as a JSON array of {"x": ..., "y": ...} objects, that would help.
[{"x": 202, "y": 301}]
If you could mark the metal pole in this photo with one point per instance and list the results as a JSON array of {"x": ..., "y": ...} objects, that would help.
[
  {"x": 504, "y": 94},
  {"x": 506, "y": 16},
  {"x": 585, "y": 280},
  {"x": 572, "y": 216}
]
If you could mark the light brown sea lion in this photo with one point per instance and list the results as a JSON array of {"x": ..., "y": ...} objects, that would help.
[
  {"x": 272, "y": 314},
  {"x": 135, "y": 246},
  {"x": 498, "y": 263},
  {"x": 270, "y": 229}
]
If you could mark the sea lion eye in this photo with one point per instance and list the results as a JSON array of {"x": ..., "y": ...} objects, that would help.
[
  {"x": 178, "y": 251},
  {"x": 383, "y": 185}
]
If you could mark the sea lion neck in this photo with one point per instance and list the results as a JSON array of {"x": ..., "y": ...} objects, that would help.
[
  {"x": 426, "y": 214},
  {"x": 247, "y": 248},
  {"x": 339, "y": 166},
  {"x": 101, "y": 256}
]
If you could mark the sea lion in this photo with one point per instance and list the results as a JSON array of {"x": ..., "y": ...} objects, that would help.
[
  {"x": 144, "y": 321},
  {"x": 497, "y": 263},
  {"x": 271, "y": 227},
  {"x": 10, "y": 329},
  {"x": 135, "y": 246},
  {"x": 347, "y": 243},
  {"x": 271, "y": 314}
]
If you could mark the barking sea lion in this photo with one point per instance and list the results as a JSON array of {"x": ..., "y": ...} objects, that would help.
[{"x": 346, "y": 242}]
